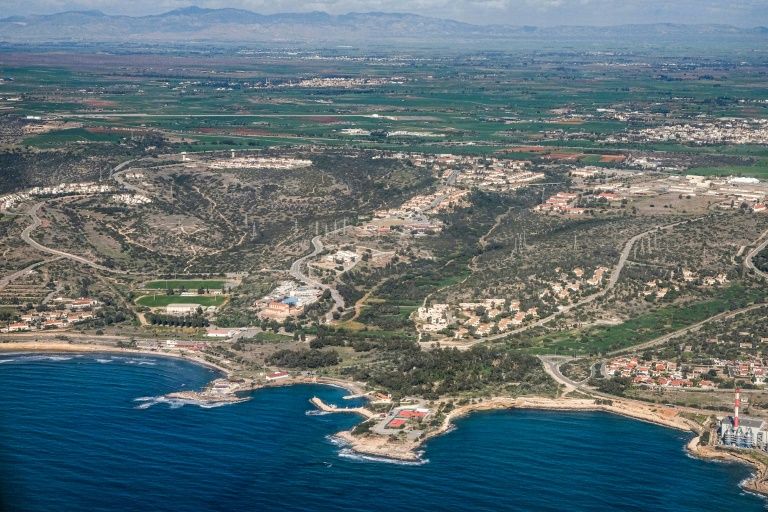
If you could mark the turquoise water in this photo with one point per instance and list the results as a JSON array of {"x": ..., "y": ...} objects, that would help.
[{"x": 73, "y": 437}]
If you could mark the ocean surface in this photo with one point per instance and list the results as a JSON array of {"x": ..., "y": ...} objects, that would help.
[{"x": 84, "y": 433}]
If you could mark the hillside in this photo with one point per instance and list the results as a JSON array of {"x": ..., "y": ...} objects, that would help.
[{"x": 194, "y": 24}]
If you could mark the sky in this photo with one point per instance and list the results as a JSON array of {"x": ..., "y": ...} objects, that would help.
[{"x": 747, "y": 13}]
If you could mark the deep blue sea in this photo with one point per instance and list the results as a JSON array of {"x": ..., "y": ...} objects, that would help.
[{"x": 73, "y": 437}]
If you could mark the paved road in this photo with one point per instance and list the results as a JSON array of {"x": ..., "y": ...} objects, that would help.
[
  {"x": 297, "y": 272},
  {"x": 612, "y": 280},
  {"x": 26, "y": 236},
  {"x": 751, "y": 254},
  {"x": 143, "y": 114},
  {"x": 552, "y": 367},
  {"x": 69, "y": 335},
  {"x": 119, "y": 167},
  {"x": 6, "y": 280}
]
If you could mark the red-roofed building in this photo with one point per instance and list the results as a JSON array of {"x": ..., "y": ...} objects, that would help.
[
  {"x": 609, "y": 196},
  {"x": 412, "y": 414},
  {"x": 396, "y": 423},
  {"x": 83, "y": 302},
  {"x": 20, "y": 326}
]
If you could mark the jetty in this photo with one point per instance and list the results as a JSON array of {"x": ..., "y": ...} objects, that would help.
[{"x": 317, "y": 402}]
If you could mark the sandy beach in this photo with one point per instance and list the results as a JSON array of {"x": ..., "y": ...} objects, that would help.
[
  {"x": 60, "y": 347},
  {"x": 355, "y": 388}
]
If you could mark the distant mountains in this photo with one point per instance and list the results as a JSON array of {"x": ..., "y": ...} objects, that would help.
[{"x": 194, "y": 24}]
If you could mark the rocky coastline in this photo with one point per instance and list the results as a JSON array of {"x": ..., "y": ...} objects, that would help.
[{"x": 230, "y": 389}]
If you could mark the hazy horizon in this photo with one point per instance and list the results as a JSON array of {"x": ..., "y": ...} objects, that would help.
[{"x": 744, "y": 13}]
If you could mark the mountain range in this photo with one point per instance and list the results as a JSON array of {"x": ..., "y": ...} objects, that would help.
[{"x": 198, "y": 25}]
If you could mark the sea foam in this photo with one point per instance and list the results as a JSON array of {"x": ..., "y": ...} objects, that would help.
[
  {"x": 314, "y": 412},
  {"x": 176, "y": 403},
  {"x": 42, "y": 357},
  {"x": 349, "y": 453}
]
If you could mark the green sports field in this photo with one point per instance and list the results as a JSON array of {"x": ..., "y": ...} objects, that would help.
[
  {"x": 159, "y": 301},
  {"x": 215, "y": 284}
]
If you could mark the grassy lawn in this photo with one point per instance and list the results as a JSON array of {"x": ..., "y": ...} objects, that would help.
[
  {"x": 645, "y": 327},
  {"x": 163, "y": 300},
  {"x": 191, "y": 284}
]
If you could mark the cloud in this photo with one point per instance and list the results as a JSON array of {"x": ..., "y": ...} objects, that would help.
[{"x": 513, "y": 12}]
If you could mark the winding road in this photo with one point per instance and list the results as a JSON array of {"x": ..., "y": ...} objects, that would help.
[
  {"x": 26, "y": 235},
  {"x": 297, "y": 273},
  {"x": 754, "y": 252},
  {"x": 552, "y": 367},
  {"x": 6, "y": 280}
]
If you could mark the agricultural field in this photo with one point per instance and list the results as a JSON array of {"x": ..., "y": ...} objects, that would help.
[{"x": 275, "y": 166}]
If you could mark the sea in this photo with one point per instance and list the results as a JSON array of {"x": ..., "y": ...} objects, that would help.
[{"x": 88, "y": 433}]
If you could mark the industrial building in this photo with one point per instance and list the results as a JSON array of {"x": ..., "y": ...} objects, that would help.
[{"x": 743, "y": 432}]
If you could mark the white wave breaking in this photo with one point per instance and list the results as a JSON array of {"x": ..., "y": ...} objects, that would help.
[
  {"x": 41, "y": 357},
  {"x": 314, "y": 412},
  {"x": 348, "y": 453},
  {"x": 140, "y": 362},
  {"x": 176, "y": 403}
]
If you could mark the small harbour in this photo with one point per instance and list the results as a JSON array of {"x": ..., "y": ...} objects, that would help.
[{"x": 74, "y": 432}]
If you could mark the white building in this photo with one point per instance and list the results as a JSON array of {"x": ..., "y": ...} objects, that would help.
[{"x": 181, "y": 309}]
